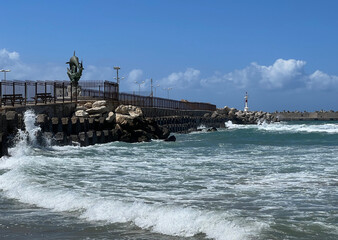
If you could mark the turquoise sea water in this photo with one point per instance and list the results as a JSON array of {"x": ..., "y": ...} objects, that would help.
[{"x": 269, "y": 181}]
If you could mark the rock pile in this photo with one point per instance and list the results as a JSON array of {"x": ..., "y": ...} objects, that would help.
[
  {"x": 93, "y": 110},
  {"x": 241, "y": 117},
  {"x": 126, "y": 121}
]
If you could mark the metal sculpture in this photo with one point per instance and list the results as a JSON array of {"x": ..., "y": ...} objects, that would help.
[{"x": 75, "y": 70}]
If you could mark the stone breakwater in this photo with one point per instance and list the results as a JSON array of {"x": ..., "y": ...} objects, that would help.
[
  {"x": 101, "y": 122},
  {"x": 93, "y": 123},
  {"x": 217, "y": 119},
  {"x": 241, "y": 117},
  {"x": 307, "y": 116}
]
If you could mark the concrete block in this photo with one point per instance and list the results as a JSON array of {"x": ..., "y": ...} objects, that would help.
[
  {"x": 83, "y": 139},
  {"x": 66, "y": 126},
  {"x": 75, "y": 125}
]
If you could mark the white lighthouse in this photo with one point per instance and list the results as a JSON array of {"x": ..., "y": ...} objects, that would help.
[{"x": 246, "y": 108}]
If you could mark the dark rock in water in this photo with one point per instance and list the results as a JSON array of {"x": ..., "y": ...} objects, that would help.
[
  {"x": 170, "y": 139},
  {"x": 213, "y": 129},
  {"x": 141, "y": 136},
  {"x": 126, "y": 136}
]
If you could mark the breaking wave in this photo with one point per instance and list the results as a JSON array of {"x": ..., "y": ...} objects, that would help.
[
  {"x": 331, "y": 128},
  {"x": 25, "y": 181}
]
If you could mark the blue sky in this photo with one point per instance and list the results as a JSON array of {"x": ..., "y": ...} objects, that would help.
[{"x": 284, "y": 53}]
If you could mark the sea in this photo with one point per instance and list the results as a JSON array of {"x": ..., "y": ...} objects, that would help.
[{"x": 264, "y": 181}]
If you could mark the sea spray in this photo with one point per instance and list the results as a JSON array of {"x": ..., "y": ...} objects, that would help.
[
  {"x": 30, "y": 137},
  {"x": 31, "y": 129}
]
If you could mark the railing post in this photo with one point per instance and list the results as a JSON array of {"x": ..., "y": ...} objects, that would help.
[
  {"x": 36, "y": 93},
  {"x": 63, "y": 92},
  {"x": 45, "y": 92},
  {"x": 25, "y": 93},
  {"x": 54, "y": 92},
  {"x": 13, "y": 93},
  {"x": 104, "y": 90}
]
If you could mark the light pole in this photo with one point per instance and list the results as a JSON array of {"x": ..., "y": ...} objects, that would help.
[
  {"x": 168, "y": 89},
  {"x": 117, "y": 75},
  {"x": 155, "y": 89},
  {"x": 139, "y": 87},
  {"x": 5, "y": 71}
]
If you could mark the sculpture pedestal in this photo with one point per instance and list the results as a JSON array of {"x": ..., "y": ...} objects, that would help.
[{"x": 73, "y": 91}]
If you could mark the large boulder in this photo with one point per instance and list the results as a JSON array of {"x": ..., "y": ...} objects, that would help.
[
  {"x": 129, "y": 110},
  {"x": 214, "y": 114},
  {"x": 111, "y": 117},
  {"x": 125, "y": 121},
  {"x": 224, "y": 110},
  {"x": 100, "y": 103},
  {"x": 81, "y": 113},
  {"x": 80, "y": 107},
  {"x": 97, "y": 110},
  {"x": 88, "y": 105}
]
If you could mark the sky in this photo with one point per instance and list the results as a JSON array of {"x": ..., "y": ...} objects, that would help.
[{"x": 284, "y": 53}]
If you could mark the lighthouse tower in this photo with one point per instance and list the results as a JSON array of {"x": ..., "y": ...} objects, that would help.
[{"x": 246, "y": 108}]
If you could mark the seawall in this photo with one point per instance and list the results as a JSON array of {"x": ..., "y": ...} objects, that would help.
[
  {"x": 57, "y": 122},
  {"x": 307, "y": 116}
]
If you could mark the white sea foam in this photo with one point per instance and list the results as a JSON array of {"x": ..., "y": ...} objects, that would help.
[
  {"x": 331, "y": 128},
  {"x": 160, "y": 218},
  {"x": 165, "y": 218}
]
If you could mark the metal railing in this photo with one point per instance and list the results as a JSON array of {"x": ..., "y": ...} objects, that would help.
[
  {"x": 142, "y": 101},
  {"x": 34, "y": 92}
]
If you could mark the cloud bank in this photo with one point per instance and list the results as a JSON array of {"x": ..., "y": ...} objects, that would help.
[
  {"x": 279, "y": 76},
  {"x": 181, "y": 80}
]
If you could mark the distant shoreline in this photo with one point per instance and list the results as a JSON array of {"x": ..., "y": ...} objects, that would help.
[{"x": 306, "y": 116}]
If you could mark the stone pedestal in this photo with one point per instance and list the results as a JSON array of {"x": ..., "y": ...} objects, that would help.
[{"x": 75, "y": 91}]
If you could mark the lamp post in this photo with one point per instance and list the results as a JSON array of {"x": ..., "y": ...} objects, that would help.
[
  {"x": 168, "y": 89},
  {"x": 139, "y": 87},
  {"x": 155, "y": 89},
  {"x": 117, "y": 75},
  {"x": 5, "y": 71}
]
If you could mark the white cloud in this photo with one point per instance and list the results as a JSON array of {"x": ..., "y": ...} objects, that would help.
[
  {"x": 282, "y": 74},
  {"x": 322, "y": 81},
  {"x": 181, "y": 80},
  {"x": 92, "y": 72},
  {"x": 6, "y": 56},
  {"x": 135, "y": 75}
]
